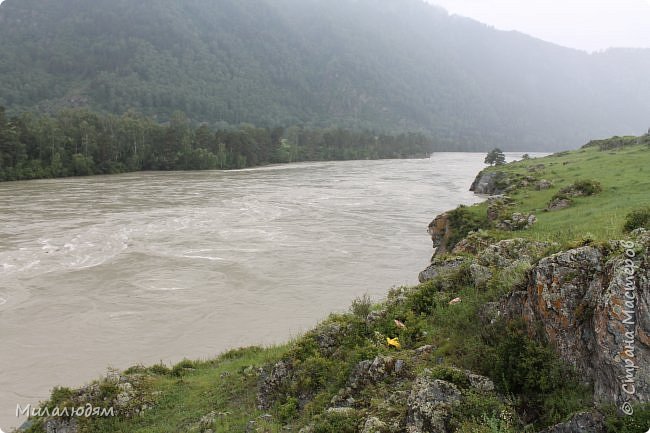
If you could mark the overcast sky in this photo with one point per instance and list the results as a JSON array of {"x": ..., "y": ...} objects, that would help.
[{"x": 590, "y": 25}]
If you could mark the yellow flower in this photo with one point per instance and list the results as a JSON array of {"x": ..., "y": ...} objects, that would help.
[{"x": 394, "y": 342}]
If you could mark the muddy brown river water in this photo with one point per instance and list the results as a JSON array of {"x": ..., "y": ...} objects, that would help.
[{"x": 143, "y": 267}]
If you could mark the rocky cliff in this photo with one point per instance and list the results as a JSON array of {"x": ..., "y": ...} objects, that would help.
[
  {"x": 546, "y": 330},
  {"x": 593, "y": 305}
]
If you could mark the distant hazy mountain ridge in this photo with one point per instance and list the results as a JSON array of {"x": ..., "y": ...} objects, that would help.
[{"x": 384, "y": 65}]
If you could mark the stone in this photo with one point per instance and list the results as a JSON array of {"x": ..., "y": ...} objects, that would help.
[
  {"x": 271, "y": 382},
  {"x": 490, "y": 183},
  {"x": 342, "y": 410},
  {"x": 481, "y": 383},
  {"x": 424, "y": 350},
  {"x": 504, "y": 253},
  {"x": 365, "y": 373},
  {"x": 374, "y": 425},
  {"x": 371, "y": 371},
  {"x": 585, "y": 422},
  {"x": 440, "y": 231},
  {"x": 577, "y": 300},
  {"x": 474, "y": 243},
  {"x": 328, "y": 336},
  {"x": 543, "y": 184},
  {"x": 480, "y": 274},
  {"x": 497, "y": 205},
  {"x": 399, "y": 366},
  {"x": 559, "y": 204},
  {"x": 375, "y": 316},
  {"x": 440, "y": 267},
  {"x": 517, "y": 221},
  {"x": 207, "y": 420},
  {"x": 430, "y": 403}
]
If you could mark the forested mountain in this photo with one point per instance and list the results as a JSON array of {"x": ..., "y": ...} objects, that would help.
[{"x": 382, "y": 65}]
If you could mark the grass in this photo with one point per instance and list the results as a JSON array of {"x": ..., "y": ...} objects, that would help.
[
  {"x": 183, "y": 395},
  {"x": 624, "y": 174},
  {"x": 220, "y": 394}
]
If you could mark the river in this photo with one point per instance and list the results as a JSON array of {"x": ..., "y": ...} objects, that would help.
[{"x": 143, "y": 267}]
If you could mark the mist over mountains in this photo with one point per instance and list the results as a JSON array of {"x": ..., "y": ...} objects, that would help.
[{"x": 384, "y": 65}]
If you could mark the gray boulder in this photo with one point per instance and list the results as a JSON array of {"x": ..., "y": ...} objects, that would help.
[
  {"x": 579, "y": 298},
  {"x": 585, "y": 422},
  {"x": 430, "y": 403}
]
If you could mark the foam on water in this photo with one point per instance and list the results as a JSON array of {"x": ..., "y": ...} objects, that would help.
[{"x": 141, "y": 267}]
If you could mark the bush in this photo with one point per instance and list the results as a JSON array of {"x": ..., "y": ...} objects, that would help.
[
  {"x": 578, "y": 188},
  {"x": 336, "y": 422},
  {"x": 547, "y": 387},
  {"x": 588, "y": 187},
  {"x": 453, "y": 375},
  {"x": 462, "y": 221},
  {"x": 361, "y": 307},
  {"x": 288, "y": 410},
  {"x": 636, "y": 423},
  {"x": 182, "y": 367},
  {"x": 636, "y": 219}
]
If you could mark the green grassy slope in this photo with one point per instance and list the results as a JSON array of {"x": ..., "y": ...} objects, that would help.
[
  {"x": 535, "y": 388},
  {"x": 623, "y": 172}
]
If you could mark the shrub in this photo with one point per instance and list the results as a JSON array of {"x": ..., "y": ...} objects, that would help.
[
  {"x": 288, "y": 410},
  {"x": 337, "y": 422},
  {"x": 453, "y": 375},
  {"x": 462, "y": 221},
  {"x": 159, "y": 369},
  {"x": 578, "y": 188},
  {"x": 179, "y": 369},
  {"x": 547, "y": 387},
  {"x": 361, "y": 306},
  {"x": 588, "y": 187},
  {"x": 636, "y": 219},
  {"x": 636, "y": 423}
]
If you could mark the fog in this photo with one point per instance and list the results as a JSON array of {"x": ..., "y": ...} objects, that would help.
[{"x": 590, "y": 25}]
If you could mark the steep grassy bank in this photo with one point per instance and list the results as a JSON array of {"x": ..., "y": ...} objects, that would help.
[
  {"x": 470, "y": 350},
  {"x": 619, "y": 165}
]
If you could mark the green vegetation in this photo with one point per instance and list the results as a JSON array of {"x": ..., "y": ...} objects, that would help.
[
  {"x": 445, "y": 316},
  {"x": 179, "y": 398},
  {"x": 365, "y": 64},
  {"x": 463, "y": 220},
  {"x": 599, "y": 208},
  {"x": 629, "y": 424},
  {"x": 639, "y": 218},
  {"x": 496, "y": 157},
  {"x": 81, "y": 143}
]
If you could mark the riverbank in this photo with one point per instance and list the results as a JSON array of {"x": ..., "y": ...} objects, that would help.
[
  {"x": 516, "y": 327},
  {"x": 84, "y": 143},
  {"x": 144, "y": 267}
]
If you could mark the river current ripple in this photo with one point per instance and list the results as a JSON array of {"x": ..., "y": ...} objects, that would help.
[{"x": 143, "y": 267}]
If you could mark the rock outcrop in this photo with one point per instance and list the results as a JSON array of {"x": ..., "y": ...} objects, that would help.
[
  {"x": 430, "y": 404},
  {"x": 504, "y": 256},
  {"x": 272, "y": 381},
  {"x": 517, "y": 221},
  {"x": 366, "y": 373},
  {"x": 585, "y": 422},
  {"x": 497, "y": 206},
  {"x": 431, "y": 400},
  {"x": 440, "y": 231},
  {"x": 595, "y": 310},
  {"x": 440, "y": 267},
  {"x": 489, "y": 183}
]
